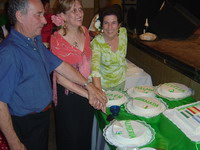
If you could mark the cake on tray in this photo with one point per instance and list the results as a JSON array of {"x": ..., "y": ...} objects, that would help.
[
  {"x": 115, "y": 98},
  {"x": 174, "y": 90},
  {"x": 141, "y": 91},
  {"x": 146, "y": 106},
  {"x": 129, "y": 133}
]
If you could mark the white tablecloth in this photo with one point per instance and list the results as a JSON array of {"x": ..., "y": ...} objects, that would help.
[{"x": 135, "y": 76}]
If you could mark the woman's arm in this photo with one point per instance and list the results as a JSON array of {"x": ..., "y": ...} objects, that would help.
[
  {"x": 97, "y": 82},
  {"x": 96, "y": 63}
]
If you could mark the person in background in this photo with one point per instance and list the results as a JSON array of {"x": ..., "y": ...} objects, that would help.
[
  {"x": 1, "y": 34},
  {"x": 3, "y": 142},
  {"x": 109, "y": 51},
  {"x": 4, "y": 25},
  {"x": 94, "y": 28},
  {"x": 71, "y": 43},
  {"x": 47, "y": 30},
  {"x": 25, "y": 88}
]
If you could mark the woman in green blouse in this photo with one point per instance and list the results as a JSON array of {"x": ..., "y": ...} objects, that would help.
[{"x": 109, "y": 51}]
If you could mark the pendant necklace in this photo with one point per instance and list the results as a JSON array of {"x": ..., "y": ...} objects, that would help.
[{"x": 75, "y": 44}]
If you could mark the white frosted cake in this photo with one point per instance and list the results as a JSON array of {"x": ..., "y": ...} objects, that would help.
[
  {"x": 130, "y": 132},
  {"x": 174, "y": 90},
  {"x": 147, "y": 36},
  {"x": 147, "y": 106},
  {"x": 190, "y": 115},
  {"x": 115, "y": 98},
  {"x": 141, "y": 91}
]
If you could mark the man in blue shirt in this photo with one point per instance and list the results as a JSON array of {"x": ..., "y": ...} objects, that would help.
[{"x": 25, "y": 89}]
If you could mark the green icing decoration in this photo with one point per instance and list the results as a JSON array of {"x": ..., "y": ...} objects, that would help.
[
  {"x": 118, "y": 133},
  {"x": 175, "y": 87},
  {"x": 112, "y": 96},
  {"x": 146, "y": 101},
  {"x": 129, "y": 128},
  {"x": 146, "y": 90}
]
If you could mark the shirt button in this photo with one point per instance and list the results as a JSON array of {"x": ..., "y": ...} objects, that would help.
[
  {"x": 34, "y": 49},
  {"x": 29, "y": 39}
]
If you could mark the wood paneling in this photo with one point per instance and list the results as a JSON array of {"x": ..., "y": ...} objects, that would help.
[
  {"x": 160, "y": 72},
  {"x": 88, "y": 15}
]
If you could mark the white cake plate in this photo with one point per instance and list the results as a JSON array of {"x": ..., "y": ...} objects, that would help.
[
  {"x": 157, "y": 92},
  {"x": 129, "y": 91},
  {"x": 109, "y": 104},
  {"x": 107, "y": 133},
  {"x": 129, "y": 108}
]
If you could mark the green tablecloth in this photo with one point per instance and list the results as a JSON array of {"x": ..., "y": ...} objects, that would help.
[{"x": 167, "y": 137}]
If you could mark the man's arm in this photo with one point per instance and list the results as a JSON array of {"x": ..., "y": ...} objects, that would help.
[
  {"x": 6, "y": 127},
  {"x": 71, "y": 86},
  {"x": 97, "y": 98}
]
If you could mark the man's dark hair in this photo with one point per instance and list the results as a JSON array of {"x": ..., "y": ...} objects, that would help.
[
  {"x": 111, "y": 10},
  {"x": 14, "y": 6}
]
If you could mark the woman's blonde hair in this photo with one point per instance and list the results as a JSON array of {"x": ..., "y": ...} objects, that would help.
[{"x": 64, "y": 5}]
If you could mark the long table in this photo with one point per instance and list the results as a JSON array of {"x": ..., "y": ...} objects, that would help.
[
  {"x": 167, "y": 137},
  {"x": 135, "y": 76}
]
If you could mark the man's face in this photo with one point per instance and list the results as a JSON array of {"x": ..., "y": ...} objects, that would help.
[{"x": 32, "y": 22}]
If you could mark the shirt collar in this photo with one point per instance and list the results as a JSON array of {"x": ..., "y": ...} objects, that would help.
[
  {"x": 28, "y": 41},
  {"x": 18, "y": 34}
]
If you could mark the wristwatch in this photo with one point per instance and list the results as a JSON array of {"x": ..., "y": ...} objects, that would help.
[{"x": 87, "y": 83}]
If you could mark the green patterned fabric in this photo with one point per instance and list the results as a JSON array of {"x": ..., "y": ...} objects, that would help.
[
  {"x": 168, "y": 136},
  {"x": 108, "y": 65}
]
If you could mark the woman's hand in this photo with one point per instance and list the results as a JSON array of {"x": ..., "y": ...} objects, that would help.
[{"x": 97, "y": 98}]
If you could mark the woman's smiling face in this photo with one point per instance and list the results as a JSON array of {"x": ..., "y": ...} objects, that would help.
[{"x": 110, "y": 26}]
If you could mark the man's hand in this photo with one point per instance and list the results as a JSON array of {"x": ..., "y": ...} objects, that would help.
[
  {"x": 97, "y": 98},
  {"x": 6, "y": 127}
]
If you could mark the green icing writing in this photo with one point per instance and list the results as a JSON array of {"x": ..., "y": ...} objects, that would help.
[
  {"x": 129, "y": 129},
  {"x": 146, "y": 101},
  {"x": 175, "y": 87},
  {"x": 145, "y": 89},
  {"x": 118, "y": 133},
  {"x": 112, "y": 96}
]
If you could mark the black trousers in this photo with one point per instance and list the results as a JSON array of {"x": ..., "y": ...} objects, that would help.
[
  {"x": 33, "y": 130},
  {"x": 74, "y": 119}
]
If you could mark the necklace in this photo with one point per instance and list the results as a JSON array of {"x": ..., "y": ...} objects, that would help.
[{"x": 75, "y": 44}]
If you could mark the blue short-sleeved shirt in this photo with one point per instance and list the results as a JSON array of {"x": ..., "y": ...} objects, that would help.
[{"x": 24, "y": 73}]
